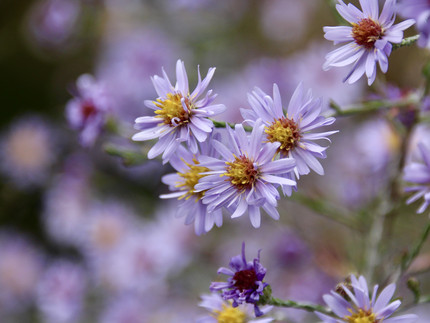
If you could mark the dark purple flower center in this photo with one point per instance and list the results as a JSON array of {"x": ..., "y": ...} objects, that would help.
[
  {"x": 245, "y": 279},
  {"x": 367, "y": 32},
  {"x": 88, "y": 110}
]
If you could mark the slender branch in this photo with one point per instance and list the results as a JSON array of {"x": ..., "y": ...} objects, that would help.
[
  {"x": 406, "y": 42},
  {"x": 407, "y": 261},
  {"x": 302, "y": 306}
]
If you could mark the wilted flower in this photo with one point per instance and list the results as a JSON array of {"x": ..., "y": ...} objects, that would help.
[
  {"x": 223, "y": 311},
  {"x": 247, "y": 177},
  {"x": 369, "y": 39},
  {"x": 87, "y": 111},
  {"x": 179, "y": 115},
  {"x": 363, "y": 307},
  {"x": 419, "y": 174},
  {"x": 292, "y": 130},
  {"x": 245, "y": 284}
]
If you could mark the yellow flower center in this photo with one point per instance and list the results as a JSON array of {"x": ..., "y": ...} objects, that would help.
[
  {"x": 284, "y": 131},
  {"x": 367, "y": 32},
  {"x": 190, "y": 179},
  {"x": 230, "y": 314},
  {"x": 171, "y": 110},
  {"x": 242, "y": 172},
  {"x": 362, "y": 317}
]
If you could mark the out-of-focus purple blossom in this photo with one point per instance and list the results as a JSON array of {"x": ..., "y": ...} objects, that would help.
[
  {"x": 20, "y": 269},
  {"x": 419, "y": 174},
  {"x": 182, "y": 183},
  {"x": 86, "y": 112},
  {"x": 278, "y": 20},
  {"x": 369, "y": 39},
  {"x": 126, "y": 63},
  {"x": 362, "y": 306},
  {"x": 289, "y": 251},
  {"x": 179, "y": 115},
  {"x": 305, "y": 67},
  {"x": 146, "y": 256},
  {"x": 52, "y": 22},
  {"x": 223, "y": 311},
  {"x": 359, "y": 176},
  {"x": 246, "y": 177},
  {"x": 245, "y": 284},
  {"x": 128, "y": 308},
  {"x": 61, "y": 292},
  {"x": 292, "y": 130},
  {"x": 66, "y": 204},
  {"x": 27, "y": 151},
  {"x": 261, "y": 73},
  {"x": 106, "y": 226},
  {"x": 420, "y": 11}
]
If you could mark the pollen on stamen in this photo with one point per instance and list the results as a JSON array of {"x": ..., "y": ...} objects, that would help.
[
  {"x": 362, "y": 317},
  {"x": 172, "y": 111},
  {"x": 367, "y": 32},
  {"x": 286, "y": 132},
  {"x": 190, "y": 179},
  {"x": 242, "y": 172}
]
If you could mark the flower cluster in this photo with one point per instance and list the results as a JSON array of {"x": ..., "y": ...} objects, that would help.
[{"x": 230, "y": 168}]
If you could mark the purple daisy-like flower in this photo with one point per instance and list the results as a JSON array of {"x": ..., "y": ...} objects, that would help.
[
  {"x": 179, "y": 115},
  {"x": 292, "y": 130},
  {"x": 363, "y": 307},
  {"x": 86, "y": 112},
  {"x": 419, "y": 174},
  {"x": 245, "y": 284},
  {"x": 246, "y": 177},
  {"x": 182, "y": 184},
  {"x": 369, "y": 39}
]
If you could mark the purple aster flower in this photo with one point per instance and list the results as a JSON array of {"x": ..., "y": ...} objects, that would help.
[
  {"x": 61, "y": 291},
  {"x": 223, "y": 311},
  {"x": 369, "y": 39},
  {"x": 363, "y": 307},
  {"x": 246, "y": 177},
  {"x": 179, "y": 115},
  {"x": 419, "y": 174},
  {"x": 292, "y": 131},
  {"x": 86, "y": 112},
  {"x": 245, "y": 284},
  {"x": 182, "y": 184}
]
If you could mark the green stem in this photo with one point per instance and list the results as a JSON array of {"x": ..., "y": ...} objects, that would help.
[
  {"x": 407, "y": 261},
  {"x": 129, "y": 157},
  {"x": 302, "y": 306},
  {"x": 223, "y": 124},
  {"x": 370, "y": 107},
  {"x": 406, "y": 42}
]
